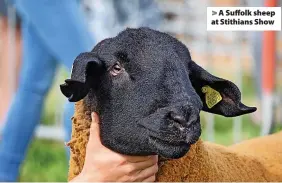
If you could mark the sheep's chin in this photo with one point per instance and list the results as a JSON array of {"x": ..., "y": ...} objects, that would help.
[{"x": 168, "y": 150}]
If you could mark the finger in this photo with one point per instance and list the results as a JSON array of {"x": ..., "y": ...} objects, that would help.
[
  {"x": 136, "y": 159},
  {"x": 147, "y": 172},
  {"x": 150, "y": 179},
  {"x": 94, "y": 138},
  {"x": 139, "y": 166}
]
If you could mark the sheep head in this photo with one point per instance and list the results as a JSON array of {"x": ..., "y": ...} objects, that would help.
[{"x": 148, "y": 93}]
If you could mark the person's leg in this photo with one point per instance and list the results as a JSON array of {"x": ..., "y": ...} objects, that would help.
[
  {"x": 8, "y": 84},
  {"x": 61, "y": 26},
  {"x": 18, "y": 49},
  {"x": 5, "y": 88},
  {"x": 36, "y": 78}
]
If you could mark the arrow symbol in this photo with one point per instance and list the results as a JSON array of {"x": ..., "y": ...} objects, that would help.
[{"x": 214, "y": 12}]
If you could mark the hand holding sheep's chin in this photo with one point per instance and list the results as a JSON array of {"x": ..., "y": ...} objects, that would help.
[{"x": 103, "y": 165}]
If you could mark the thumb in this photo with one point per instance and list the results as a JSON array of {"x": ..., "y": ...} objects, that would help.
[{"x": 94, "y": 137}]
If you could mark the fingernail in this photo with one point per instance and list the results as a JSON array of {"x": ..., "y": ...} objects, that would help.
[
  {"x": 93, "y": 116},
  {"x": 155, "y": 158}
]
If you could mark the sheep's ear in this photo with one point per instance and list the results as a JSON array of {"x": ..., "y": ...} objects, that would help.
[
  {"x": 219, "y": 96},
  {"x": 85, "y": 69}
]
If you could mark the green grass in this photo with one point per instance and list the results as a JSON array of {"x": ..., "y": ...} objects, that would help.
[{"x": 46, "y": 160}]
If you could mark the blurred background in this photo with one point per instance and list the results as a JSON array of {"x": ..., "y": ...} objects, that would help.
[{"x": 252, "y": 60}]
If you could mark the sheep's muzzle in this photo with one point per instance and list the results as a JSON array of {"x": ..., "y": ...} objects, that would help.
[{"x": 173, "y": 129}]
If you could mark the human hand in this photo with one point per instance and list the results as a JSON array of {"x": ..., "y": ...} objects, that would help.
[{"x": 104, "y": 165}]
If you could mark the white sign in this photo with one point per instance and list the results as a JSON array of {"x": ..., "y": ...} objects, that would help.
[{"x": 243, "y": 18}]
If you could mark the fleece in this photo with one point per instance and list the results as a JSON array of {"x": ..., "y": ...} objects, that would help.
[
  {"x": 81, "y": 122},
  {"x": 255, "y": 160},
  {"x": 258, "y": 159}
]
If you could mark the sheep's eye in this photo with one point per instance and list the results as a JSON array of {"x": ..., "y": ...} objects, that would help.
[{"x": 116, "y": 69}]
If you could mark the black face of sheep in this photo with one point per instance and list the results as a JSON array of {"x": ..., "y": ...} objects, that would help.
[{"x": 149, "y": 93}]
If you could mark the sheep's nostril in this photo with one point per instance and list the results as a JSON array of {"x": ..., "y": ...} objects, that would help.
[{"x": 177, "y": 118}]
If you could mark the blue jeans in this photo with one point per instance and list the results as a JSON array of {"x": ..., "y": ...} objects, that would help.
[{"x": 53, "y": 33}]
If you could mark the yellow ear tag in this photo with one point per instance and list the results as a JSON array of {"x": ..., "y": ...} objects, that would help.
[{"x": 212, "y": 96}]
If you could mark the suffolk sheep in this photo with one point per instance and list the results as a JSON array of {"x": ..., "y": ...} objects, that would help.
[{"x": 149, "y": 93}]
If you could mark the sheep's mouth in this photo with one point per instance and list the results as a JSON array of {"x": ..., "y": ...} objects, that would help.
[
  {"x": 175, "y": 146},
  {"x": 154, "y": 140},
  {"x": 167, "y": 149}
]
